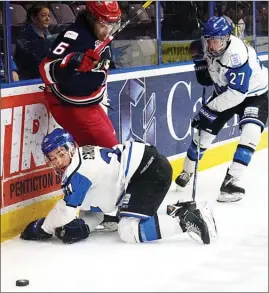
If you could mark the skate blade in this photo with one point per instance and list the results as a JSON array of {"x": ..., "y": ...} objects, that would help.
[
  {"x": 208, "y": 217},
  {"x": 227, "y": 197}
]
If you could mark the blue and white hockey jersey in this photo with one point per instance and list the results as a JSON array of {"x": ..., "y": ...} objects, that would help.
[
  {"x": 237, "y": 74},
  {"x": 96, "y": 177}
]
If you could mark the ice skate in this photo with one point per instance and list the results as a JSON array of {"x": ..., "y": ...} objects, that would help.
[
  {"x": 198, "y": 223},
  {"x": 229, "y": 190}
]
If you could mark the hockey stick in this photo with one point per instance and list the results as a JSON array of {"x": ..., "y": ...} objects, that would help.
[
  {"x": 198, "y": 153},
  {"x": 101, "y": 46}
]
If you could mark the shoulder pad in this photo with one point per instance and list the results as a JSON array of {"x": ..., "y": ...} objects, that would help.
[{"x": 236, "y": 54}]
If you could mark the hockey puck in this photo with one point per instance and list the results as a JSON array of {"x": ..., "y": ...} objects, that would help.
[{"x": 22, "y": 283}]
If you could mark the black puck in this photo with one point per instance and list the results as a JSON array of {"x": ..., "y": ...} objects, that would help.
[{"x": 22, "y": 283}]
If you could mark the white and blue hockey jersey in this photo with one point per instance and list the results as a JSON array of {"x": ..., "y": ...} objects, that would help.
[
  {"x": 96, "y": 177},
  {"x": 237, "y": 74}
]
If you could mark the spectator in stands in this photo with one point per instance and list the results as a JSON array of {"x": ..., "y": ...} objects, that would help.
[
  {"x": 34, "y": 41},
  {"x": 14, "y": 69}
]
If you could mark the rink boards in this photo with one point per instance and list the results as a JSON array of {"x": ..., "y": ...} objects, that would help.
[{"x": 154, "y": 105}]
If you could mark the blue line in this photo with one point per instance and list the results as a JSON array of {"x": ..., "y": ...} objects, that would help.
[
  {"x": 262, "y": 54},
  {"x": 149, "y": 67},
  {"x": 22, "y": 83}
]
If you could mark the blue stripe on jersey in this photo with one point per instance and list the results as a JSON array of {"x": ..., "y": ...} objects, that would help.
[
  {"x": 96, "y": 210},
  {"x": 149, "y": 230},
  {"x": 238, "y": 78},
  {"x": 266, "y": 87},
  {"x": 75, "y": 190},
  {"x": 129, "y": 159},
  {"x": 220, "y": 89}
]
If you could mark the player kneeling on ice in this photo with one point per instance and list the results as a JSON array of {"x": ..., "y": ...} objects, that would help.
[
  {"x": 132, "y": 177},
  {"x": 240, "y": 87}
]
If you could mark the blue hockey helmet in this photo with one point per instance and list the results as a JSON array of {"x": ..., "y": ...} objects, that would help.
[
  {"x": 57, "y": 138},
  {"x": 217, "y": 28}
]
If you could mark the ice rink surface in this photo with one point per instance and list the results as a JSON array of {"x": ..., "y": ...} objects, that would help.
[{"x": 236, "y": 262}]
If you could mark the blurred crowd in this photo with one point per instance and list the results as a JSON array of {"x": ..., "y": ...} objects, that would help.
[{"x": 35, "y": 25}]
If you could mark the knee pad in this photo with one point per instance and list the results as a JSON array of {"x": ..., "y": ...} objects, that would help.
[
  {"x": 205, "y": 142},
  {"x": 133, "y": 230},
  {"x": 250, "y": 137}
]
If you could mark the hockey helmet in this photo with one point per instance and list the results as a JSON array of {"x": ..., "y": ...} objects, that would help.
[
  {"x": 216, "y": 28},
  {"x": 56, "y": 140},
  {"x": 104, "y": 11}
]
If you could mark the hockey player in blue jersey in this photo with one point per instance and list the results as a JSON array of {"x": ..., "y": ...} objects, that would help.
[
  {"x": 131, "y": 177},
  {"x": 75, "y": 76},
  {"x": 240, "y": 87}
]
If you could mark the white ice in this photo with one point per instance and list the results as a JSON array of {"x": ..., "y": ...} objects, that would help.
[{"x": 236, "y": 262}]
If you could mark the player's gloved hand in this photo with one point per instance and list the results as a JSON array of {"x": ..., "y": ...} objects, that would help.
[
  {"x": 82, "y": 62},
  {"x": 73, "y": 232},
  {"x": 200, "y": 65},
  {"x": 33, "y": 231},
  {"x": 89, "y": 61},
  {"x": 202, "y": 74},
  {"x": 204, "y": 118},
  {"x": 196, "y": 50}
]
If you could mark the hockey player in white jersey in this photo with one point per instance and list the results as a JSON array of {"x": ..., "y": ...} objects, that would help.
[
  {"x": 132, "y": 177},
  {"x": 240, "y": 87}
]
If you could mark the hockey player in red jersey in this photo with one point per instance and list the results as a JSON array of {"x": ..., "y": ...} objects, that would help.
[{"x": 75, "y": 76}]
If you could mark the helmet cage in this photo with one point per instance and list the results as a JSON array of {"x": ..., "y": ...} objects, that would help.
[{"x": 224, "y": 43}]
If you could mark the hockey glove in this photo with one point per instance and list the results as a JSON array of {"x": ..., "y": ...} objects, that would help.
[
  {"x": 89, "y": 61},
  {"x": 73, "y": 232},
  {"x": 204, "y": 118},
  {"x": 196, "y": 50},
  {"x": 202, "y": 74},
  {"x": 82, "y": 62},
  {"x": 33, "y": 231},
  {"x": 200, "y": 67}
]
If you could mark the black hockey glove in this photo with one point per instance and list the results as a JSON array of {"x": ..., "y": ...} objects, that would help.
[
  {"x": 204, "y": 118},
  {"x": 33, "y": 231},
  {"x": 200, "y": 65},
  {"x": 73, "y": 232},
  {"x": 202, "y": 73},
  {"x": 196, "y": 50}
]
